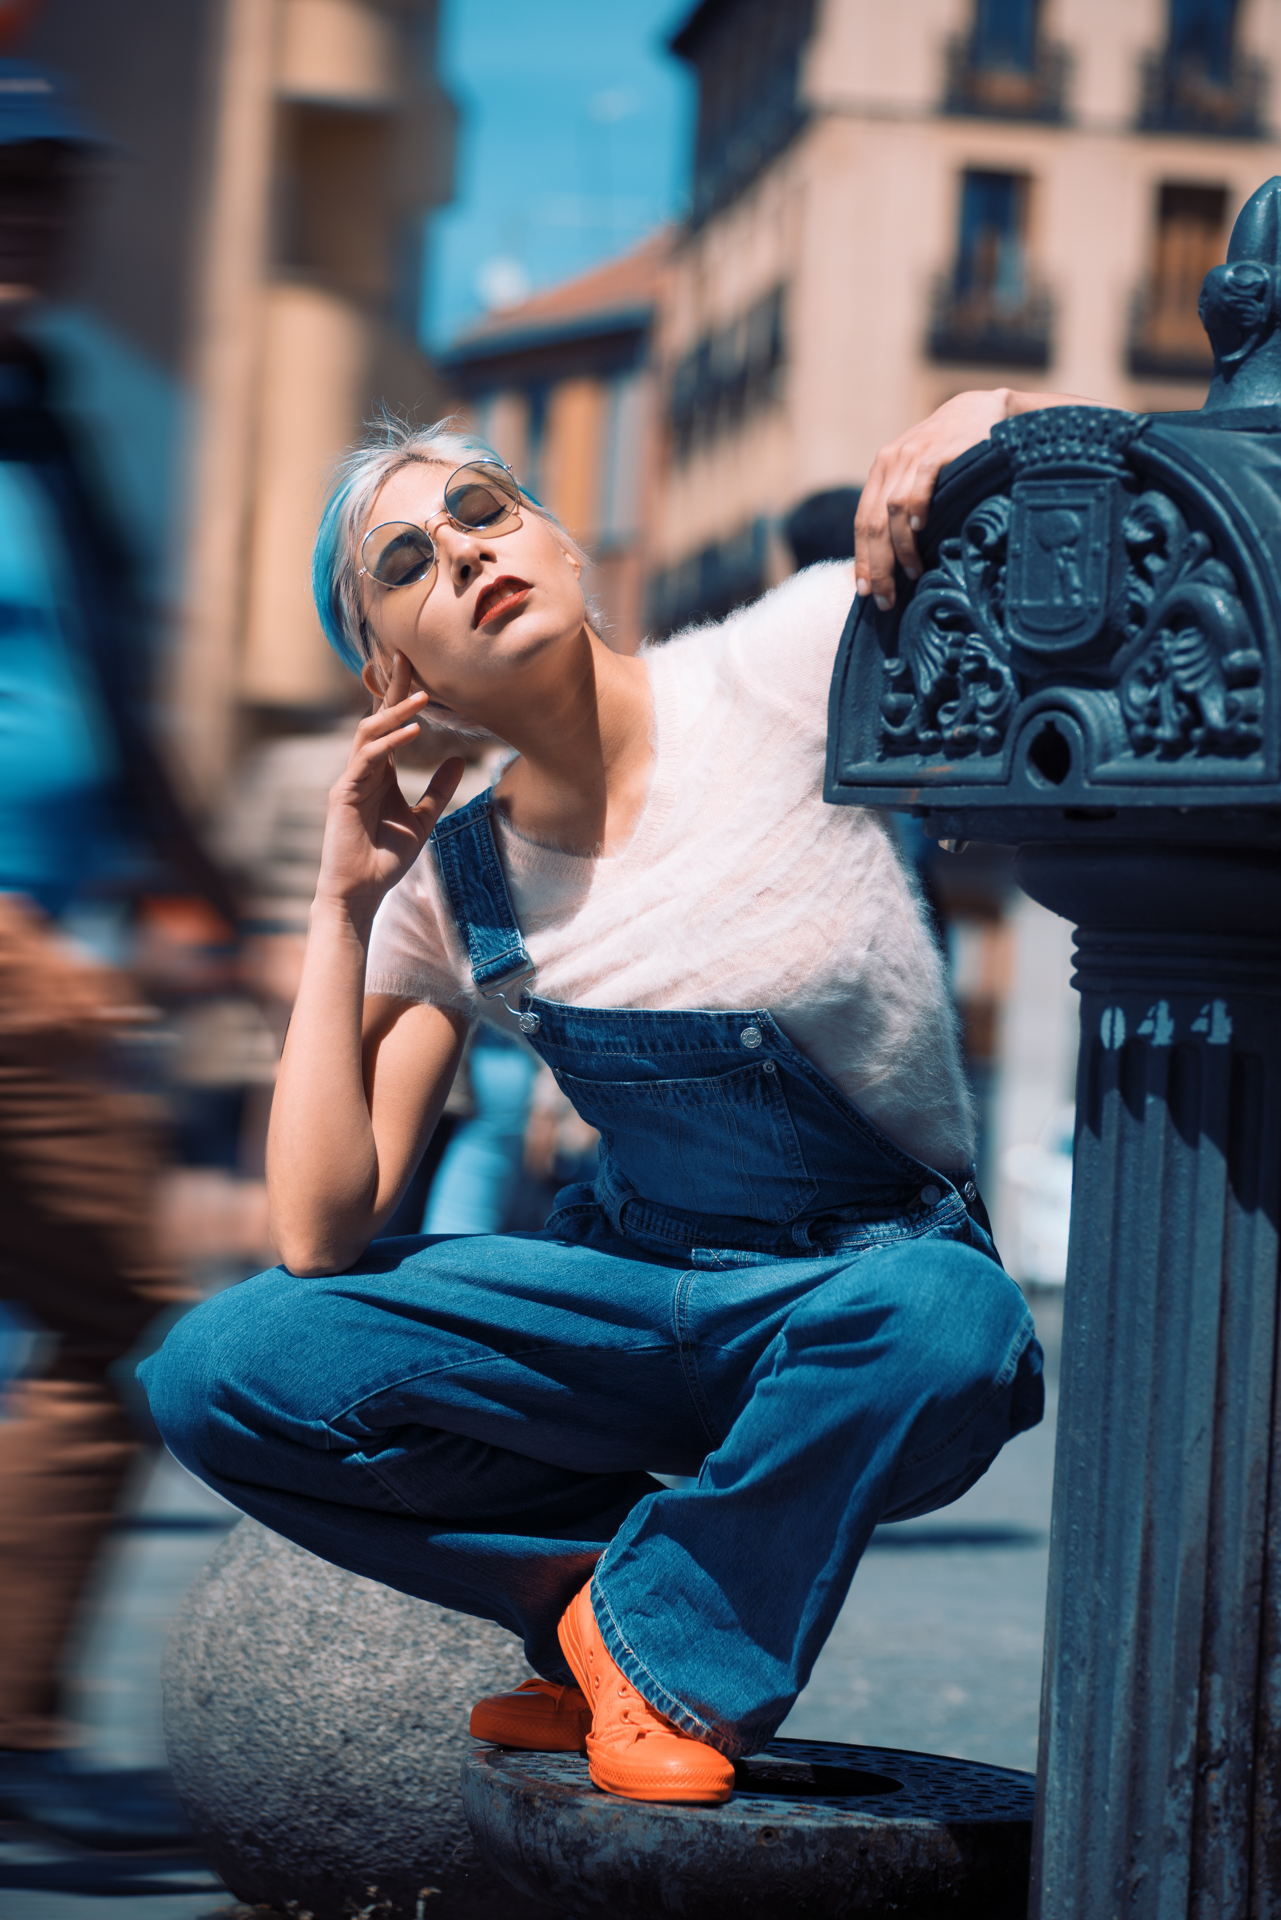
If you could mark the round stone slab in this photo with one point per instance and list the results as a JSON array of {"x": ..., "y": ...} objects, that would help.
[
  {"x": 316, "y": 1722},
  {"x": 814, "y": 1830}
]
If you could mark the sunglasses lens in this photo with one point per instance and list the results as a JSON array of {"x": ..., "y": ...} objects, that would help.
[
  {"x": 397, "y": 553},
  {"x": 480, "y": 496}
]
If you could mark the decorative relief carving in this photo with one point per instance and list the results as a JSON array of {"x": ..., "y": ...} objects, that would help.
[
  {"x": 1193, "y": 679},
  {"x": 949, "y": 688},
  {"x": 1074, "y": 576}
]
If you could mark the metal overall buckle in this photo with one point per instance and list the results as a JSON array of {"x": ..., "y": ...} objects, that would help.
[{"x": 528, "y": 1022}]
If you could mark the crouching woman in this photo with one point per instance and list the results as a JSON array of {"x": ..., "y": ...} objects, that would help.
[{"x": 778, "y": 1286}]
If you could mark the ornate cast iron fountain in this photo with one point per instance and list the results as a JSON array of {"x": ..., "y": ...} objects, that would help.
[{"x": 1090, "y": 669}]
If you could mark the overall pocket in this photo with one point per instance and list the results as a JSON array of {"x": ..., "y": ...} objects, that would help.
[{"x": 716, "y": 1144}]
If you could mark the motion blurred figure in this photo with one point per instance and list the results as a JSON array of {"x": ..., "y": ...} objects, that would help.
[
  {"x": 821, "y": 527},
  {"x": 81, "y": 790}
]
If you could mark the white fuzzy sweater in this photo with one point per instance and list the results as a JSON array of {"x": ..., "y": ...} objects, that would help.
[{"x": 740, "y": 887}]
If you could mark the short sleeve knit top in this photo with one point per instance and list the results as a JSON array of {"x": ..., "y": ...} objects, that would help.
[{"x": 740, "y": 887}]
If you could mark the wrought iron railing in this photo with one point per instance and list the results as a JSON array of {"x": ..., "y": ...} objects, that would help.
[
  {"x": 711, "y": 583},
  {"x": 1181, "y": 95},
  {"x": 728, "y": 375},
  {"x": 982, "y": 328},
  {"x": 975, "y": 85}
]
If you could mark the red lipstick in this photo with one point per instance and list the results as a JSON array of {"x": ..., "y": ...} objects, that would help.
[{"x": 500, "y": 596}]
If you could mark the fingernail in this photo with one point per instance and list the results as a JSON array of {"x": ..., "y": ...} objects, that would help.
[
  {"x": 862, "y": 586},
  {"x": 882, "y": 603},
  {"x": 913, "y": 573},
  {"x": 916, "y": 523}
]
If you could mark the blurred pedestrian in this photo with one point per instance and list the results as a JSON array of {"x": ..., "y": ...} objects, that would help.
[
  {"x": 83, "y": 799},
  {"x": 821, "y": 527},
  {"x": 480, "y": 1169}
]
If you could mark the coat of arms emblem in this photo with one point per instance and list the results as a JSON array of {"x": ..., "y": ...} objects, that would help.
[{"x": 1059, "y": 572}]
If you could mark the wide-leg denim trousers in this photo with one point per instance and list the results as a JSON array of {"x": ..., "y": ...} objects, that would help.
[{"x": 476, "y": 1420}]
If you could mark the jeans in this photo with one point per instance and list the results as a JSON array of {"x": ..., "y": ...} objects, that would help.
[{"x": 476, "y": 1421}]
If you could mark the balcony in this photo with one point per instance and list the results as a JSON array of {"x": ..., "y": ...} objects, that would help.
[
  {"x": 728, "y": 376},
  {"x": 1167, "y": 340},
  {"x": 1181, "y": 94},
  {"x": 748, "y": 60},
  {"x": 983, "y": 329},
  {"x": 992, "y": 90},
  {"x": 709, "y": 584}
]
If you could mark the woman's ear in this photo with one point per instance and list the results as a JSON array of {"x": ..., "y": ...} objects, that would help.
[
  {"x": 576, "y": 564},
  {"x": 375, "y": 680}
]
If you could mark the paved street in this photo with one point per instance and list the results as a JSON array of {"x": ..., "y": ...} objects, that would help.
[{"x": 938, "y": 1648}]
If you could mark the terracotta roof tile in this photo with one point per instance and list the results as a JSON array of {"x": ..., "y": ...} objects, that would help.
[{"x": 630, "y": 280}]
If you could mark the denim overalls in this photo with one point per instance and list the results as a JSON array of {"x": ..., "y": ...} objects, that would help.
[
  {"x": 759, "y": 1289},
  {"x": 716, "y": 1132}
]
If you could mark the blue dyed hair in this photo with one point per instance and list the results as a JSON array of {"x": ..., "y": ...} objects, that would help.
[{"x": 392, "y": 443}]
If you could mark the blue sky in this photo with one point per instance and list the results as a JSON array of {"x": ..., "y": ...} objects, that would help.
[{"x": 573, "y": 141}]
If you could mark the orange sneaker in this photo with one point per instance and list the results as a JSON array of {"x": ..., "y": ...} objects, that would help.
[
  {"x": 537, "y": 1716},
  {"x": 632, "y": 1749}
]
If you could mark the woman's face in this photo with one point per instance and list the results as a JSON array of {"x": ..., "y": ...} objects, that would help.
[{"x": 495, "y": 605}]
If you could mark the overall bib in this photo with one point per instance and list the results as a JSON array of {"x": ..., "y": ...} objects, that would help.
[
  {"x": 758, "y": 1289},
  {"x": 716, "y": 1132}
]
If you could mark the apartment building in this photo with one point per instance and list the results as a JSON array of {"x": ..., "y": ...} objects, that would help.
[
  {"x": 250, "y": 289},
  {"x": 891, "y": 204}
]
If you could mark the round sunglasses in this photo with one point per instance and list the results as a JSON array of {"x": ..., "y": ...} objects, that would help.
[{"x": 481, "y": 497}]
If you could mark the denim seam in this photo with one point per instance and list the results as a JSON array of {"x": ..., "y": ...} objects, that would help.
[
  {"x": 689, "y": 1358},
  {"x": 1009, "y": 1367},
  {"x": 488, "y": 959},
  {"x": 805, "y": 1068},
  {"x": 642, "y": 1228},
  {"x": 948, "y": 1212},
  {"x": 413, "y": 1512},
  {"x": 460, "y": 1366},
  {"x": 570, "y": 1213},
  {"x": 633, "y": 1668}
]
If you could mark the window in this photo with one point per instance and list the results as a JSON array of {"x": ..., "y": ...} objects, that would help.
[
  {"x": 1201, "y": 35},
  {"x": 989, "y": 265},
  {"x": 988, "y": 310},
  {"x": 1167, "y": 339},
  {"x": 728, "y": 375},
  {"x": 747, "y": 55},
  {"x": 711, "y": 583},
  {"x": 332, "y": 169},
  {"x": 619, "y": 513},
  {"x": 1003, "y": 68},
  {"x": 1200, "y": 82},
  {"x": 1005, "y": 34}
]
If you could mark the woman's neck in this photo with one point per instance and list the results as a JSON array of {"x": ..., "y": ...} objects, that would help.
[{"x": 586, "y": 754}]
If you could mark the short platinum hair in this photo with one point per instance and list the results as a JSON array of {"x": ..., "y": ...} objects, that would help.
[{"x": 392, "y": 443}]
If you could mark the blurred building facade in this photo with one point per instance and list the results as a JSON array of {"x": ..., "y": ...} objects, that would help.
[
  {"x": 890, "y": 204},
  {"x": 563, "y": 387},
  {"x": 256, "y": 257}
]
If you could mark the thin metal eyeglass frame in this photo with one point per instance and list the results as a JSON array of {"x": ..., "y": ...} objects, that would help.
[{"x": 443, "y": 513}]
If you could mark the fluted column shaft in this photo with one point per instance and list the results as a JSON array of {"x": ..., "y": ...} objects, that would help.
[{"x": 1160, "y": 1766}]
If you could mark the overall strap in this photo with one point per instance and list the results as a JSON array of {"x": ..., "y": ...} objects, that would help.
[{"x": 474, "y": 882}]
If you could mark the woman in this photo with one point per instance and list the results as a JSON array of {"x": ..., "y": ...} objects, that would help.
[{"x": 779, "y": 1282}]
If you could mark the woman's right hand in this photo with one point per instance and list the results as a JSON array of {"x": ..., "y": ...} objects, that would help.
[
  {"x": 372, "y": 834},
  {"x": 895, "y": 503}
]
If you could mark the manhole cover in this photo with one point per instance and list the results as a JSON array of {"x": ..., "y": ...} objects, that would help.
[{"x": 814, "y": 1829}]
